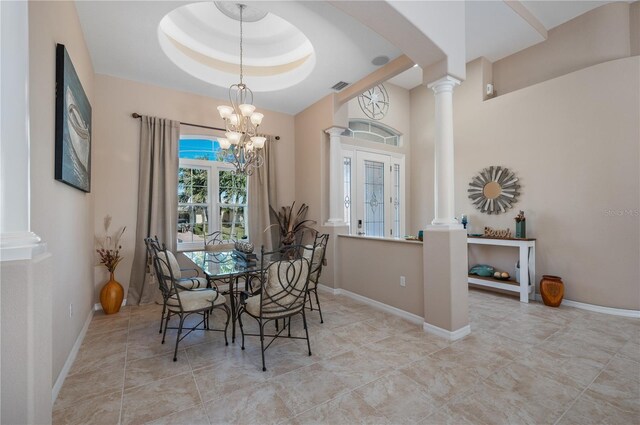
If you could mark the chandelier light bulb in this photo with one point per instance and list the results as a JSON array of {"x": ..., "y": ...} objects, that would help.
[
  {"x": 247, "y": 109},
  {"x": 258, "y": 141},
  {"x": 224, "y": 143},
  {"x": 225, "y": 111},
  {"x": 233, "y": 137},
  {"x": 256, "y": 118},
  {"x": 234, "y": 119}
]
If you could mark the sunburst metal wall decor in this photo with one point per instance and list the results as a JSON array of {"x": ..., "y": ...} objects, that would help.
[{"x": 494, "y": 189}]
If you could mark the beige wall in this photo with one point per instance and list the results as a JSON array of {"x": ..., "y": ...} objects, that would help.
[
  {"x": 61, "y": 215},
  {"x": 310, "y": 165},
  {"x": 594, "y": 37},
  {"x": 398, "y": 118},
  {"x": 574, "y": 143},
  {"x": 394, "y": 258},
  {"x": 634, "y": 27},
  {"x": 116, "y": 150}
]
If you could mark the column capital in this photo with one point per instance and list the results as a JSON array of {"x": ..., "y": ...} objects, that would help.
[
  {"x": 335, "y": 131},
  {"x": 20, "y": 246},
  {"x": 444, "y": 84}
]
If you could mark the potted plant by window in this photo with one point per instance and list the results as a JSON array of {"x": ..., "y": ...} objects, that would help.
[{"x": 108, "y": 249}]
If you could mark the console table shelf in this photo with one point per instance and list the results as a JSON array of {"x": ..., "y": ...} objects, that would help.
[{"x": 527, "y": 257}]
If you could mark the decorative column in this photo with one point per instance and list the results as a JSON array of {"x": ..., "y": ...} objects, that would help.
[
  {"x": 446, "y": 292},
  {"x": 336, "y": 179},
  {"x": 25, "y": 267},
  {"x": 444, "y": 177},
  {"x": 16, "y": 241}
]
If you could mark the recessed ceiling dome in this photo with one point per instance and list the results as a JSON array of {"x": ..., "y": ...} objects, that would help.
[{"x": 204, "y": 41}]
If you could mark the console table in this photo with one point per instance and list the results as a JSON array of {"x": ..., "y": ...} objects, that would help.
[{"x": 527, "y": 258}]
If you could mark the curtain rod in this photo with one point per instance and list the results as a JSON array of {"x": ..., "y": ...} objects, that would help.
[{"x": 137, "y": 116}]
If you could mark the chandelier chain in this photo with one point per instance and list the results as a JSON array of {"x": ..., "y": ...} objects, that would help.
[
  {"x": 241, "y": 6},
  {"x": 242, "y": 145}
]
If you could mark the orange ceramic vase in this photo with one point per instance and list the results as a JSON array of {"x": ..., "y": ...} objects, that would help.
[
  {"x": 111, "y": 296},
  {"x": 551, "y": 290}
]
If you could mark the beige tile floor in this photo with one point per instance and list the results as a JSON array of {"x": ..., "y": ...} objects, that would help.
[{"x": 522, "y": 364}]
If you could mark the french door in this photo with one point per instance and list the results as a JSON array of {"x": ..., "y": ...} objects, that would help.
[
  {"x": 372, "y": 206},
  {"x": 375, "y": 190}
]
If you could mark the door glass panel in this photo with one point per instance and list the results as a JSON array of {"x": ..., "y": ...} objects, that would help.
[
  {"x": 374, "y": 198},
  {"x": 347, "y": 190},
  {"x": 396, "y": 200}
]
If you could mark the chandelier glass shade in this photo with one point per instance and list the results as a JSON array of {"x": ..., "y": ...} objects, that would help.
[{"x": 241, "y": 144}]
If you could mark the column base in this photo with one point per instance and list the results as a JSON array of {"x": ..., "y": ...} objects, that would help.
[
  {"x": 446, "y": 291},
  {"x": 26, "y": 307},
  {"x": 443, "y": 333}
]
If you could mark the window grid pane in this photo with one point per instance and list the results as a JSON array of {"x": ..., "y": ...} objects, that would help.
[
  {"x": 193, "y": 222},
  {"x": 374, "y": 198},
  {"x": 232, "y": 198},
  {"x": 193, "y": 210}
]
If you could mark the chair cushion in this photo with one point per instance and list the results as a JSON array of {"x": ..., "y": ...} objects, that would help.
[
  {"x": 316, "y": 263},
  {"x": 193, "y": 282},
  {"x": 277, "y": 300},
  {"x": 173, "y": 263},
  {"x": 195, "y": 300},
  {"x": 253, "y": 308}
]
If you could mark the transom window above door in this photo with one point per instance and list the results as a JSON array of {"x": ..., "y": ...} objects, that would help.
[{"x": 373, "y": 131}]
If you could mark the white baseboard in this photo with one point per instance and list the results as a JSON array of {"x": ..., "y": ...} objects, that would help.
[
  {"x": 70, "y": 359},
  {"x": 450, "y": 335},
  {"x": 598, "y": 308},
  {"x": 98, "y": 306},
  {"x": 413, "y": 318},
  {"x": 325, "y": 288}
]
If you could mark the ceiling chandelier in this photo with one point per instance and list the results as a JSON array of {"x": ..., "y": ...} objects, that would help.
[{"x": 241, "y": 145}]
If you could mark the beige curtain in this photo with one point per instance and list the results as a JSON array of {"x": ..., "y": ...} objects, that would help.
[
  {"x": 262, "y": 192},
  {"x": 157, "y": 200}
]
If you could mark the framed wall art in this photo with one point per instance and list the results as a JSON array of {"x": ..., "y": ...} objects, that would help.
[{"x": 73, "y": 126}]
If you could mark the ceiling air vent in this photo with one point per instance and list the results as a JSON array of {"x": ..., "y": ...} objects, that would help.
[{"x": 339, "y": 86}]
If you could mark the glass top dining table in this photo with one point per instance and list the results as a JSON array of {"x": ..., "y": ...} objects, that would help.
[
  {"x": 221, "y": 264},
  {"x": 225, "y": 267}
]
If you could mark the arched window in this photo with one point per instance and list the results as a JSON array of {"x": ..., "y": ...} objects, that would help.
[{"x": 373, "y": 131}]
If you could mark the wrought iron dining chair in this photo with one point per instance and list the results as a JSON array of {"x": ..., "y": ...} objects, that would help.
[
  {"x": 284, "y": 279},
  {"x": 215, "y": 241},
  {"x": 185, "y": 302},
  {"x": 317, "y": 263},
  {"x": 154, "y": 248}
]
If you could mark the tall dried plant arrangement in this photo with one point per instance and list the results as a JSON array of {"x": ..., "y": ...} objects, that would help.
[
  {"x": 291, "y": 224},
  {"x": 108, "y": 246}
]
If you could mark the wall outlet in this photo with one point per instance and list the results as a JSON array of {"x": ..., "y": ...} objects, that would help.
[
  {"x": 403, "y": 282},
  {"x": 71, "y": 310}
]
